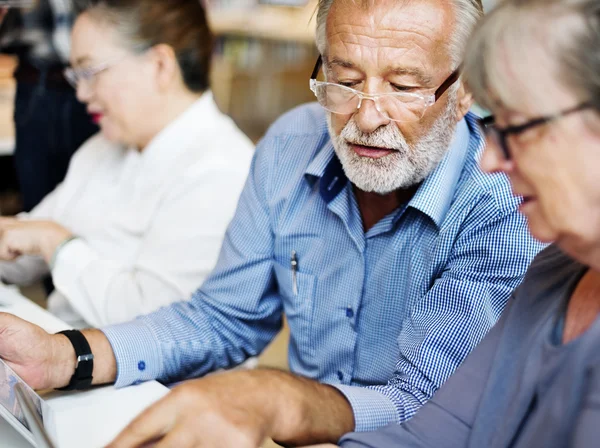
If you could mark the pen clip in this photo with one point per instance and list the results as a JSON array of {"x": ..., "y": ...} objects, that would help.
[{"x": 294, "y": 265}]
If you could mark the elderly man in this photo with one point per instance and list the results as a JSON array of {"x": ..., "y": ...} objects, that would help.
[{"x": 368, "y": 224}]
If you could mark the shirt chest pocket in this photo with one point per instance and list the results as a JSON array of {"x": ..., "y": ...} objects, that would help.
[{"x": 297, "y": 290}]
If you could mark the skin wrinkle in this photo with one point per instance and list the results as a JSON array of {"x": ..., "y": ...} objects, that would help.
[
  {"x": 386, "y": 29},
  {"x": 370, "y": 61},
  {"x": 423, "y": 79},
  {"x": 424, "y": 54},
  {"x": 382, "y": 47},
  {"x": 399, "y": 52},
  {"x": 356, "y": 37}
]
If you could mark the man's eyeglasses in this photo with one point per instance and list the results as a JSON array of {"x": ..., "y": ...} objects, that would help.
[
  {"x": 499, "y": 136},
  {"x": 396, "y": 106}
]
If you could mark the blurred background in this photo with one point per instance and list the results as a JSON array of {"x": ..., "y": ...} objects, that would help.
[{"x": 264, "y": 54}]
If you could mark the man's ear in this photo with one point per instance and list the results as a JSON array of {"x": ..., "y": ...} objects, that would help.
[
  {"x": 464, "y": 103},
  {"x": 166, "y": 66}
]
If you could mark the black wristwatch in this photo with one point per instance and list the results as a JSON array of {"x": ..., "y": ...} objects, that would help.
[{"x": 82, "y": 378}]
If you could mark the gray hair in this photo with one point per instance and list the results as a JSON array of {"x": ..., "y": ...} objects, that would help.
[
  {"x": 468, "y": 14},
  {"x": 565, "y": 33}
]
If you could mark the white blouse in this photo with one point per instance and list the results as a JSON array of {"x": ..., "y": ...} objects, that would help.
[{"x": 150, "y": 224}]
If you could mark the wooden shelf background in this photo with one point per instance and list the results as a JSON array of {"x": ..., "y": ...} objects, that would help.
[
  {"x": 7, "y": 98},
  {"x": 282, "y": 23},
  {"x": 256, "y": 92}
]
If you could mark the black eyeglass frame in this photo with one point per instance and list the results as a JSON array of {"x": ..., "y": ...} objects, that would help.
[
  {"x": 438, "y": 93},
  {"x": 489, "y": 128}
]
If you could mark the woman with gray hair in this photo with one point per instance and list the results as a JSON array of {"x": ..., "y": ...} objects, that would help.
[
  {"x": 534, "y": 381},
  {"x": 139, "y": 220}
]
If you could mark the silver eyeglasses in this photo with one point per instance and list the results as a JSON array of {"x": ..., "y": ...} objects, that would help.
[
  {"x": 75, "y": 75},
  {"x": 396, "y": 106}
]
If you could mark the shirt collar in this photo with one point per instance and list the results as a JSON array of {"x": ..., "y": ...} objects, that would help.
[
  {"x": 435, "y": 194},
  {"x": 318, "y": 165},
  {"x": 181, "y": 133}
]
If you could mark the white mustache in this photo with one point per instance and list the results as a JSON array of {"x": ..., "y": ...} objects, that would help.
[{"x": 387, "y": 137}]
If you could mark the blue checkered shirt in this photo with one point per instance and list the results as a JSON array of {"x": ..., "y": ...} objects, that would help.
[{"x": 386, "y": 316}]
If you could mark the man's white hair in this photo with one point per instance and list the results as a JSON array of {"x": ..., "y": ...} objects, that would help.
[{"x": 468, "y": 13}]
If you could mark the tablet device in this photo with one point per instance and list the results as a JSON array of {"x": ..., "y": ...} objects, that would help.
[
  {"x": 32, "y": 417},
  {"x": 10, "y": 408}
]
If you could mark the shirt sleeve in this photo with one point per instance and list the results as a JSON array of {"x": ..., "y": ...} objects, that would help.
[
  {"x": 446, "y": 420},
  {"x": 177, "y": 253},
  {"x": 233, "y": 316},
  {"x": 586, "y": 432},
  {"x": 489, "y": 260}
]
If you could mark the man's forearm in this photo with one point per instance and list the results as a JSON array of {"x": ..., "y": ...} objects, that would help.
[
  {"x": 305, "y": 411},
  {"x": 105, "y": 365}
]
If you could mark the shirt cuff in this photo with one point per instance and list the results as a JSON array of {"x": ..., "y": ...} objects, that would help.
[
  {"x": 137, "y": 352},
  {"x": 372, "y": 409}
]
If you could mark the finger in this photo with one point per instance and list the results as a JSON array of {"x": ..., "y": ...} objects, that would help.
[
  {"x": 10, "y": 244},
  {"x": 186, "y": 435},
  {"x": 149, "y": 426},
  {"x": 6, "y": 252},
  {"x": 7, "y": 221},
  {"x": 182, "y": 436}
]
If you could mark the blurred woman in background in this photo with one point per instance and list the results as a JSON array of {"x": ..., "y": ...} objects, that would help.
[{"x": 139, "y": 220}]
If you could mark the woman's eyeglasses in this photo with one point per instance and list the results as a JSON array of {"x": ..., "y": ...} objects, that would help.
[
  {"x": 74, "y": 76},
  {"x": 499, "y": 136}
]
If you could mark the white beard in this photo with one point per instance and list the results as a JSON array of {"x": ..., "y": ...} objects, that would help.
[{"x": 407, "y": 166}]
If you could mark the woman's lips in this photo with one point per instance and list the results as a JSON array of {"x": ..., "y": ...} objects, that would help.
[
  {"x": 527, "y": 203},
  {"x": 527, "y": 199},
  {"x": 96, "y": 117},
  {"x": 371, "y": 152}
]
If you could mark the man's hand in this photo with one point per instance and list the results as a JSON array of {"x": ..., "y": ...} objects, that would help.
[
  {"x": 240, "y": 410},
  {"x": 47, "y": 361},
  {"x": 43, "y": 361},
  {"x": 214, "y": 412},
  {"x": 22, "y": 237}
]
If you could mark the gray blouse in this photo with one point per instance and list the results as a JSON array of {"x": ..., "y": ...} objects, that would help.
[{"x": 520, "y": 388}]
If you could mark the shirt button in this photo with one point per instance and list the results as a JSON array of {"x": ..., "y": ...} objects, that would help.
[
  {"x": 349, "y": 312},
  {"x": 340, "y": 375},
  {"x": 141, "y": 366}
]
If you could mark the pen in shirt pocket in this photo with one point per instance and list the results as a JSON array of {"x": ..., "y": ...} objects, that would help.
[{"x": 294, "y": 265}]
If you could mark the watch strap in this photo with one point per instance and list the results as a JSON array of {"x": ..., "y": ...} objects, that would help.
[{"x": 82, "y": 377}]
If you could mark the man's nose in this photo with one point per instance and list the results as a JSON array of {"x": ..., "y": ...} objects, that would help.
[{"x": 368, "y": 118}]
